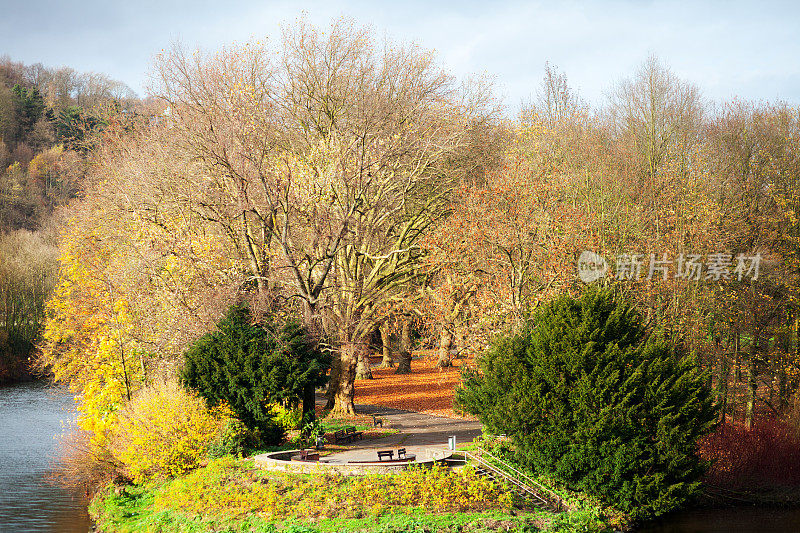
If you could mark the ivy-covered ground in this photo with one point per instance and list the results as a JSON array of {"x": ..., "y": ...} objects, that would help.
[{"x": 231, "y": 495}]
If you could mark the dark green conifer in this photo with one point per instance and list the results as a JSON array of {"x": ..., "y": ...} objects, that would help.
[
  {"x": 589, "y": 397},
  {"x": 252, "y": 365}
]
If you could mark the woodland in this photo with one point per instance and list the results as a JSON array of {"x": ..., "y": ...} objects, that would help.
[{"x": 358, "y": 188}]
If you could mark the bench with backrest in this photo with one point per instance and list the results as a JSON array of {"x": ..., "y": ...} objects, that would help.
[
  {"x": 389, "y": 454},
  {"x": 341, "y": 436},
  {"x": 401, "y": 453},
  {"x": 351, "y": 432}
]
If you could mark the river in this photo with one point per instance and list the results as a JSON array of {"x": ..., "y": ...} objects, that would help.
[
  {"x": 31, "y": 420},
  {"x": 736, "y": 520}
]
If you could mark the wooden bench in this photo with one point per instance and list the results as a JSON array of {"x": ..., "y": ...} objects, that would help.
[
  {"x": 341, "y": 436},
  {"x": 377, "y": 421},
  {"x": 308, "y": 455},
  {"x": 351, "y": 432},
  {"x": 401, "y": 453},
  {"x": 348, "y": 434},
  {"x": 387, "y": 453}
]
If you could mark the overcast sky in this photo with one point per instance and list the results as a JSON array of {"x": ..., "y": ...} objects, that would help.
[{"x": 750, "y": 50}]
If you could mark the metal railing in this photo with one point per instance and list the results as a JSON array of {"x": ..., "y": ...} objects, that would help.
[{"x": 523, "y": 482}]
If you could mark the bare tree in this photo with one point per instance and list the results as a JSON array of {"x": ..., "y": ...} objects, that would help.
[
  {"x": 656, "y": 110},
  {"x": 321, "y": 163},
  {"x": 556, "y": 102}
]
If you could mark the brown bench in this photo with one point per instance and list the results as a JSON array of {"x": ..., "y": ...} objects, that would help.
[
  {"x": 387, "y": 453},
  {"x": 353, "y": 434},
  {"x": 377, "y": 421},
  {"x": 340, "y": 436},
  {"x": 348, "y": 434}
]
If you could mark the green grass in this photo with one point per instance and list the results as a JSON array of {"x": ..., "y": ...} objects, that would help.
[
  {"x": 230, "y": 495},
  {"x": 336, "y": 424}
]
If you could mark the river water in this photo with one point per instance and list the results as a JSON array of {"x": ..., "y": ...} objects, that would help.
[
  {"x": 32, "y": 417},
  {"x": 737, "y": 520}
]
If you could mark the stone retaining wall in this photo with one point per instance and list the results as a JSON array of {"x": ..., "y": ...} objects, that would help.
[{"x": 281, "y": 462}]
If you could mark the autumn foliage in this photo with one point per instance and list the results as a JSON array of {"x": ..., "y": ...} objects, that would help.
[
  {"x": 224, "y": 487},
  {"x": 427, "y": 389},
  {"x": 352, "y": 184},
  {"x": 164, "y": 431},
  {"x": 766, "y": 455}
]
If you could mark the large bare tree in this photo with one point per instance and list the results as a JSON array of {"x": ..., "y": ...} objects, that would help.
[{"x": 320, "y": 161}]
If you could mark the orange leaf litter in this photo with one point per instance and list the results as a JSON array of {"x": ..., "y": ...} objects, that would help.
[{"x": 426, "y": 390}]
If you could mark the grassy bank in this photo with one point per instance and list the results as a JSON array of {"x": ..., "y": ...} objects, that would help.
[{"x": 231, "y": 495}]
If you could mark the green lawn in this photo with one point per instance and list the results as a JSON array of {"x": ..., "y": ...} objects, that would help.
[{"x": 231, "y": 495}]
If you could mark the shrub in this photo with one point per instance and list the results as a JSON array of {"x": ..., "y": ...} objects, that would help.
[
  {"x": 230, "y": 439},
  {"x": 766, "y": 455},
  {"x": 588, "y": 397},
  {"x": 287, "y": 418},
  {"x": 84, "y": 464},
  {"x": 164, "y": 431},
  {"x": 250, "y": 366}
]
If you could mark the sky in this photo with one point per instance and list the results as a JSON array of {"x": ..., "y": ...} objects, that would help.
[{"x": 748, "y": 50}]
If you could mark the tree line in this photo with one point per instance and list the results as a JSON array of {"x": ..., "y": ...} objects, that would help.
[
  {"x": 47, "y": 118},
  {"x": 356, "y": 184}
]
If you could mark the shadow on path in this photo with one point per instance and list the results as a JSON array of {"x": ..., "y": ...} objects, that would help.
[{"x": 415, "y": 429}]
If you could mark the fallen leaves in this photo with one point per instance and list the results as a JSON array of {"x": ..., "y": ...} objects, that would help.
[{"x": 426, "y": 390}]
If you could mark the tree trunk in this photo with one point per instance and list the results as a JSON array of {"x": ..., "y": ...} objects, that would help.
[
  {"x": 796, "y": 341},
  {"x": 342, "y": 391},
  {"x": 737, "y": 375},
  {"x": 783, "y": 396},
  {"x": 723, "y": 370},
  {"x": 460, "y": 342},
  {"x": 308, "y": 400},
  {"x": 404, "y": 364},
  {"x": 794, "y": 346},
  {"x": 445, "y": 345},
  {"x": 333, "y": 380},
  {"x": 751, "y": 384},
  {"x": 386, "y": 342},
  {"x": 363, "y": 371}
]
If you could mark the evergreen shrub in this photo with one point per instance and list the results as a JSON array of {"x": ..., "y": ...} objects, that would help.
[
  {"x": 250, "y": 366},
  {"x": 589, "y": 397}
]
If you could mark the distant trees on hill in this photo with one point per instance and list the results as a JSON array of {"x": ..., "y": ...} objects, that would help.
[{"x": 48, "y": 120}]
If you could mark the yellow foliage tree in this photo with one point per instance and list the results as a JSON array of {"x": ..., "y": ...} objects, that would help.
[{"x": 86, "y": 337}]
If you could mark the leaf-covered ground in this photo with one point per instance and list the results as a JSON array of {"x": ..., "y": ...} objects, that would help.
[{"x": 426, "y": 390}]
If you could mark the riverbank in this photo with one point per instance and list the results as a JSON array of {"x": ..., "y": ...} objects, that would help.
[
  {"x": 232, "y": 495},
  {"x": 16, "y": 370}
]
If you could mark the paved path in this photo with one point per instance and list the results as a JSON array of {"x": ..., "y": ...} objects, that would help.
[{"x": 419, "y": 433}]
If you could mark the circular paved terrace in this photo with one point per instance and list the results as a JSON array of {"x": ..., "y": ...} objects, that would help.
[{"x": 420, "y": 434}]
